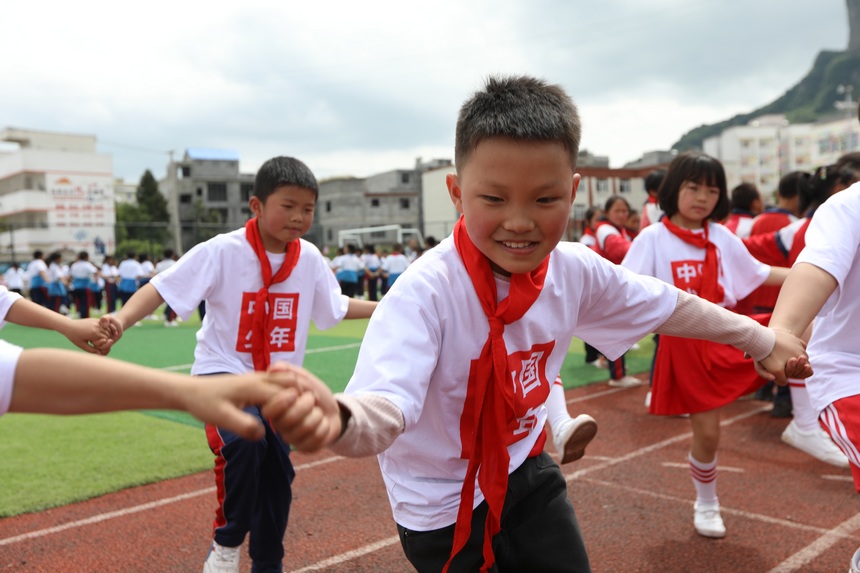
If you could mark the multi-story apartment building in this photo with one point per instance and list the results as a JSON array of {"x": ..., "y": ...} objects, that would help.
[
  {"x": 56, "y": 194},
  {"x": 206, "y": 195},
  {"x": 769, "y": 147}
]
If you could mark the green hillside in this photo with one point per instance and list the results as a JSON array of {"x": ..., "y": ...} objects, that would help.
[{"x": 811, "y": 99}]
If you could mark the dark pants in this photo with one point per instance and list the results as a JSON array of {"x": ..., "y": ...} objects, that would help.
[
  {"x": 39, "y": 295},
  {"x": 372, "y": 288},
  {"x": 253, "y": 480},
  {"x": 617, "y": 368},
  {"x": 82, "y": 301},
  {"x": 349, "y": 289},
  {"x": 110, "y": 297},
  {"x": 591, "y": 353},
  {"x": 539, "y": 529}
]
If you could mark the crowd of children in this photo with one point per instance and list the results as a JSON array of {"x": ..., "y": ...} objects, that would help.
[{"x": 457, "y": 410}]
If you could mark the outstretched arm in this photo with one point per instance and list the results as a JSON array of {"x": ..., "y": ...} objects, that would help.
[
  {"x": 82, "y": 333},
  {"x": 54, "y": 381},
  {"x": 141, "y": 304},
  {"x": 360, "y": 308}
]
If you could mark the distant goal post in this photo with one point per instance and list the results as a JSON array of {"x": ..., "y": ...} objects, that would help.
[{"x": 379, "y": 235}]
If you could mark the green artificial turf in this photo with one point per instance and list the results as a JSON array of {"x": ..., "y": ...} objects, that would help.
[{"x": 50, "y": 461}]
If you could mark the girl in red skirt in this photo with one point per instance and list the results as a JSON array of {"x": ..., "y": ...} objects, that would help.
[{"x": 689, "y": 249}]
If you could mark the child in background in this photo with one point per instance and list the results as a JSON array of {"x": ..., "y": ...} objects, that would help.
[
  {"x": 29, "y": 382},
  {"x": 613, "y": 241},
  {"x": 129, "y": 273},
  {"x": 168, "y": 259},
  {"x": 483, "y": 323},
  {"x": 37, "y": 272},
  {"x": 262, "y": 285},
  {"x": 56, "y": 283},
  {"x": 651, "y": 211},
  {"x": 589, "y": 239},
  {"x": 393, "y": 266},
  {"x": 824, "y": 284},
  {"x": 745, "y": 205},
  {"x": 690, "y": 250},
  {"x": 83, "y": 274}
]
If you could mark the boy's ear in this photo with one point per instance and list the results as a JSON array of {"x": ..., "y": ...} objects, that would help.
[
  {"x": 576, "y": 179},
  {"x": 255, "y": 205},
  {"x": 454, "y": 192}
]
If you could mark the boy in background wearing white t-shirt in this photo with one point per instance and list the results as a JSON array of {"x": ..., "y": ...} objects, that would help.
[
  {"x": 262, "y": 285},
  {"x": 482, "y": 324},
  {"x": 29, "y": 383}
]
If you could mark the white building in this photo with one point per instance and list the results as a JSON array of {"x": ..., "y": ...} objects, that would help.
[
  {"x": 56, "y": 194},
  {"x": 769, "y": 147}
]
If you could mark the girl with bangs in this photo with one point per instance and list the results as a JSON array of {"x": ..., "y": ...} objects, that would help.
[{"x": 692, "y": 251}]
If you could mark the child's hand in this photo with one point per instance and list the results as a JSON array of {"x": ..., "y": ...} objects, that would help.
[
  {"x": 788, "y": 360},
  {"x": 220, "y": 399},
  {"x": 111, "y": 330},
  {"x": 87, "y": 334},
  {"x": 304, "y": 412}
]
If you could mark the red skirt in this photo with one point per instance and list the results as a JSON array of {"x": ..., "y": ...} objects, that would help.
[{"x": 693, "y": 376}]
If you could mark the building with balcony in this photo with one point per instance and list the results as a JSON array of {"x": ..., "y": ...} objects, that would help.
[
  {"x": 206, "y": 195},
  {"x": 56, "y": 194}
]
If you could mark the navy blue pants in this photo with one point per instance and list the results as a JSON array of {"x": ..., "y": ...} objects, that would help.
[{"x": 253, "y": 481}]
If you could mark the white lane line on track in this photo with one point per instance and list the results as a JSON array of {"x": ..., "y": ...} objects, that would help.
[
  {"x": 185, "y": 367},
  {"x": 802, "y": 558},
  {"x": 654, "y": 447},
  {"x": 135, "y": 509},
  {"x": 349, "y": 555}
]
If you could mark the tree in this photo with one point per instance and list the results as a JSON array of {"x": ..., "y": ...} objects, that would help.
[{"x": 146, "y": 223}]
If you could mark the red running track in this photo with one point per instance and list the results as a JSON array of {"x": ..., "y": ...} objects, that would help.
[{"x": 784, "y": 511}]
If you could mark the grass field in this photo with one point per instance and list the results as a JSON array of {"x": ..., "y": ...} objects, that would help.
[{"x": 51, "y": 461}]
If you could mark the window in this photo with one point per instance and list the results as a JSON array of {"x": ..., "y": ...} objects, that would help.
[
  {"x": 328, "y": 206},
  {"x": 404, "y": 202},
  {"x": 404, "y": 177},
  {"x": 216, "y": 191},
  {"x": 200, "y": 191},
  {"x": 222, "y": 215},
  {"x": 374, "y": 202},
  {"x": 185, "y": 198},
  {"x": 246, "y": 190},
  {"x": 624, "y": 186},
  {"x": 602, "y": 185},
  {"x": 185, "y": 171},
  {"x": 329, "y": 235}
]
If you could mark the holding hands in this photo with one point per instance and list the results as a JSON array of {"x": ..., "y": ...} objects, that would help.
[{"x": 788, "y": 359}]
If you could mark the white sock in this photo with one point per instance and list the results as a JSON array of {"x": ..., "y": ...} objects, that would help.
[
  {"x": 805, "y": 417},
  {"x": 704, "y": 479},
  {"x": 556, "y": 407}
]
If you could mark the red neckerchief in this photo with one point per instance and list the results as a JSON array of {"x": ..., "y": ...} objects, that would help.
[
  {"x": 488, "y": 412},
  {"x": 589, "y": 231},
  {"x": 260, "y": 348},
  {"x": 652, "y": 199},
  {"x": 710, "y": 289}
]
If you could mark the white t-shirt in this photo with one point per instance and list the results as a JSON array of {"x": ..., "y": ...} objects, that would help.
[
  {"x": 82, "y": 270},
  {"x": 36, "y": 267},
  {"x": 657, "y": 252},
  {"x": 163, "y": 265},
  {"x": 425, "y": 333},
  {"x": 14, "y": 278},
  {"x": 146, "y": 268},
  {"x": 129, "y": 269},
  {"x": 9, "y": 353},
  {"x": 224, "y": 271},
  {"x": 395, "y": 264},
  {"x": 833, "y": 244}
]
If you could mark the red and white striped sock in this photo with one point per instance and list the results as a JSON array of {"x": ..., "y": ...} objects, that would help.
[
  {"x": 704, "y": 479},
  {"x": 805, "y": 417}
]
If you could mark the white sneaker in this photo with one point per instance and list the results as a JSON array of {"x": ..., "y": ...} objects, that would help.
[
  {"x": 648, "y": 399},
  {"x": 222, "y": 559},
  {"x": 855, "y": 563},
  {"x": 708, "y": 521},
  {"x": 626, "y": 382},
  {"x": 171, "y": 323},
  {"x": 575, "y": 434},
  {"x": 816, "y": 443}
]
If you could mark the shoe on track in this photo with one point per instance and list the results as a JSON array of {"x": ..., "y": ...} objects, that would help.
[
  {"x": 626, "y": 382},
  {"x": 575, "y": 435},
  {"x": 816, "y": 443},
  {"x": 708, "y": 521},
  {"x": 222, "y": 559}
]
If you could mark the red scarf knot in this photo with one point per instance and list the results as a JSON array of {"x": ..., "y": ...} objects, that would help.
[
  {"x": 710, "y": 288},
  {"x": 261, "y": 325}
]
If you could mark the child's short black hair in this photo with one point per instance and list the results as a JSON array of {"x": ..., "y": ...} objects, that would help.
[
  {"x": 83, "y": 256},
  {"x": 521, "y": 108},
  {"x": 37, "y": 254},
  {"x": 743, "y": 196},
  {"x": 654, "y": 179},
  {"x": 697, "y": 167},
  {"x": 283, "y": 171},
  {"x": 792, "y": 184}
]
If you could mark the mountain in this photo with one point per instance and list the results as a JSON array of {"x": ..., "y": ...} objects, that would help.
[{"x": 810, "y": 99}]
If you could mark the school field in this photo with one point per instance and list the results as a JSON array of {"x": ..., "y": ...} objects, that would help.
[{"x": 133, "y": 491}]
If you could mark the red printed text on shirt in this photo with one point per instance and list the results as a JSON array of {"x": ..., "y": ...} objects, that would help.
[{"x": 282, "y": 310}]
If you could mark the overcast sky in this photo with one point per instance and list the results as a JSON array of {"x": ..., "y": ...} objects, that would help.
[{"x": 356, "y": 88}]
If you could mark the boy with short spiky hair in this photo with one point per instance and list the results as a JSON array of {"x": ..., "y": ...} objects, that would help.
[
  {"x": 455, "y": 409},
  {"x": 262, "y": 285}
]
